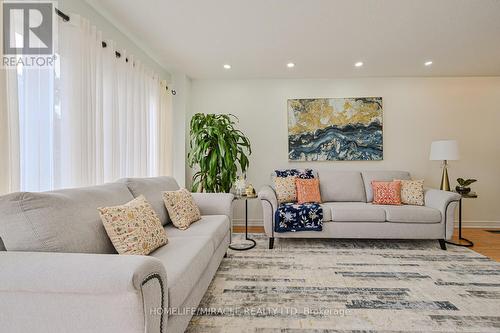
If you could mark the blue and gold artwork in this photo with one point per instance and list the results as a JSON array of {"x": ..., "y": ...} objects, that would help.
[{"x": 335, "y": 129}]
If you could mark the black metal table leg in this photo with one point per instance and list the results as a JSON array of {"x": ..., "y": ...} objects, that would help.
[
  {"x": 244, "y": 246},
  {"x": 460, "y": 238}
]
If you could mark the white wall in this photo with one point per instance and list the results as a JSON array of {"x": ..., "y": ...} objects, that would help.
[{"x": 416, "y": 112}]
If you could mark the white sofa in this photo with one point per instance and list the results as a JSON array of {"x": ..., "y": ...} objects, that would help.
[
  {"x": 349, "y": 213},
  {"x": 59, "y": 271}
]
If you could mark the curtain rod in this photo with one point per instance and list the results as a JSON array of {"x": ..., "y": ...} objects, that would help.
[{"x": 65, "y": 18}]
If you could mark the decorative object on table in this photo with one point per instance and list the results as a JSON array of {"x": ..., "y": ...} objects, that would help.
[
  {"x": 218, "y": 149},
  {"x": 240, "y": 185},
  {"x": 250, "y": 191},
  {"x": 463, "y": 185},
  {"x": 412, "y": 192},
  {"x": 335, "y": 129},
  {"x": 386, "y": 193},
  {"x": 308, "y": 191},
  {"x": 468, "y": 243},
  {"x": 444, "y": 150},
  {"x": 247, "y": 243}
]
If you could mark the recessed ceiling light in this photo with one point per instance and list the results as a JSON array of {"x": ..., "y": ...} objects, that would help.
[
  {"x": 290, "y": 65},
  {"x": 227, "y": 66},
  {"x": 428, "y": 63},
  {"x": 358, "y": 64}
]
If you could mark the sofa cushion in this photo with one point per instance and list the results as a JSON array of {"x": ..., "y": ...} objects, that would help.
[
  {"x": 308, "y": 191},
  {"x": 386, "y": 193},
  {"x": 215, "y": 227},
  {"x": 386, "y": 176},
  {"x": 59, "y": 221},
  {"x": 152, "y": 188},
  {"x": 356, "y": 212},
  {"x": 285, "y": 189},
  {"x": 302, "y": 173},
  {"x": 412, "y": 214},
  {"x": 185, "y": 259},
  {"x": 134, "y": 227},
  {"x": 341, "y": 186},
  {"x": 412, "y": 192},
  {"x": 181, "y": 208}
]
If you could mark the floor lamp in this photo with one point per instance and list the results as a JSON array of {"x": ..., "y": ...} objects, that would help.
[{"x": 444, "y": 150}]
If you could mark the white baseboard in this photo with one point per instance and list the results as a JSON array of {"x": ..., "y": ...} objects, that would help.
[
  {"x": 465, "y": 224},
  {"x": 479, "y": 224},
  {"x": 251, "y": 222}
]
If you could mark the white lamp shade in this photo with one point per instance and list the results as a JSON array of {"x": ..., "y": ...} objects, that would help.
[{"x": 444, "y": 150}]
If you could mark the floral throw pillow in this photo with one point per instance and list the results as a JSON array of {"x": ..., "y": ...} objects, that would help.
[
  {"x": 386, "y": 193},
  {"x": 181, "y": 208},
  {"x": 134, "y": 228},
  {"x": 412, "y": 192},
  {"x": 285, "y": 189},
  {"x": 308, "y": 190}
]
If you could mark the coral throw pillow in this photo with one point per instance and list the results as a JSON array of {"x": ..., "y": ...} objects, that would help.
[
  {"x": 134, "y": 227},
  {"x": 308, "y": 190},
  {"x": 181, "y": 208},
  {"x": 285, "y": 189},
  {"x": 412, "y": 192},
  {"x": 386, "y": 193}
]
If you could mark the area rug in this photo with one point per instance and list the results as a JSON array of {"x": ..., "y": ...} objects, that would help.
[{"x": 352, "y": 286}]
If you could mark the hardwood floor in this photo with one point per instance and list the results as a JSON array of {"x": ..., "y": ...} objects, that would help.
[{"x": 485, "y": 242}]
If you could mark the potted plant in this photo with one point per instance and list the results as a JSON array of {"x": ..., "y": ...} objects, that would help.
[
  {"x": 217, "y": 148},
  {"x": 463, "y": 185}
]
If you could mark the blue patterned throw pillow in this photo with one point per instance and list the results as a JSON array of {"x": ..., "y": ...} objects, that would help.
[{"x": 299, "y": 173}]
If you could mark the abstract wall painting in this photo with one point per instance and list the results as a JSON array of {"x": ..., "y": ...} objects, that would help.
[{"x": 335, "y": 129}]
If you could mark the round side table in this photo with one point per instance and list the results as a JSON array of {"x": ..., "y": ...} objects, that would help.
[{"x": 247, "y": 243}]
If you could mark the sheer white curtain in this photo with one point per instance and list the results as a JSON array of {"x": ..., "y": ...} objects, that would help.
[
  {"x": 9, "y": 128},
  {"x": 9, "y": 132},
  {"x": 111, "y": 111},
  {"x": 92, "y": 119}
]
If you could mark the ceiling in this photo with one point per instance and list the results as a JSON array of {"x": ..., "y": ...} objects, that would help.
[{"x": 324, "y": 38}]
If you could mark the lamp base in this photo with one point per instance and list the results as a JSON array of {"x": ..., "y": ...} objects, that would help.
[{"x": 445, "y": 181}]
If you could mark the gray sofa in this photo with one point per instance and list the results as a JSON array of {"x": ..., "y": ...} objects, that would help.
[
  {"x": 59, "y": 271},
  {"x": 349, "y": 213}
]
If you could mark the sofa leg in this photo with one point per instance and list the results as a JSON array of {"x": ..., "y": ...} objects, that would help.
[
  {"x": 442, "y": 243},
  {"x": 271, "y": 243}
]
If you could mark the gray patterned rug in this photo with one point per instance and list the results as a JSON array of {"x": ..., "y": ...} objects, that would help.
[{"x": 352, "y": 286}]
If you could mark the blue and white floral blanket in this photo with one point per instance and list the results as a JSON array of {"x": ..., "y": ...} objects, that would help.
[{"x": 298, "y": 217}]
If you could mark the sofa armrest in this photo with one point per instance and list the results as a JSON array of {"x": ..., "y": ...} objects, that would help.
[
  {"x": 269, "y": 203},
  {"x": 215, "y": 203},
  {"x": 72, "y": 292},
  {"x": 446, "y": 202}
]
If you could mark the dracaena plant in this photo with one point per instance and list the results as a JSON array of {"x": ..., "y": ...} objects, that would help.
[
  {"x": 465, "y": 182},
  {"x": 218, "y": 149}
]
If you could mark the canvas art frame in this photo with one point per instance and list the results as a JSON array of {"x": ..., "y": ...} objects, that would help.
[{"x": 335, "y": 129}]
